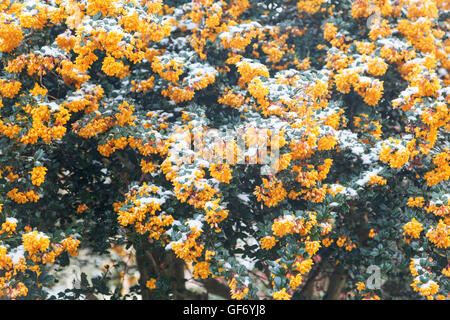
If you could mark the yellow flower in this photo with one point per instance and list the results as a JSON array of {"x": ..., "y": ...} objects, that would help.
[
  {"x": 147, "y": 167},
  {"x": 268, "y": 242},
  {"x": 71, "y": 245},
  {"x": 115, "y": 68},
  {"x": 221, "y": 172},
  {"x": 341, "y": 241},
  {"x": 10, "y": 35},
  {"x": 309, "y": 6},
  {"x": 283, "y": 226},
  {"x": 9, "y": 89},
  {"x": 295, "y": 281},
  {"x": 376, "y": 66},
  {"x": 271, "y": 192},
  {"x": 371, "y": 91},
  {"x": 329, "y": 31},
  {"x": 440, "y": 235},
  {"x": 38, "y": 175},
  {"x": 81, "y": 208},
  {"x": 327, "y": 242},
  {"x": 237, "y": 293},
  {"x": 376, "y": 179},
  {"x": 209, "y": 254},
  {"x": 360, "y": 286},
  {"x": 35, "y": 242},
  {"x": 416, "y": 202},
  {"x": 38, "y": 90},
  {"x": 281, "y": 295},
  {"x": 201, "y": 270},
  {"x": 151, "y": 284},
  {"x": 312, "y": 247},
  {"x": 9, "y": 226},
  {"x": 304, "y": 266},
  {"x": 326, "y": 143},
  {"x": 412, "y": 229}
]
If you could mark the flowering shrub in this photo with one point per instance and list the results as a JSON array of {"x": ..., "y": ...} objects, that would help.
[{"x": 247, "y": 149}]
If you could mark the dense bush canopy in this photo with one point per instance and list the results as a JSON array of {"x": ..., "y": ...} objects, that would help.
[{"x": 285, "y": 149}]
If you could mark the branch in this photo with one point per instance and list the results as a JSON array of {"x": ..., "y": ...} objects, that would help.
[
  {"x": 155, "y": 265},
  {"x": 308, "y": 289},
  {"x": 215, "y": 287},
  {"x": 336, "y": 285}
]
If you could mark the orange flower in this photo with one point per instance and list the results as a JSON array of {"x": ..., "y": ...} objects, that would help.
[
  {"x": 38, "y": 175},
  {"x": 412, "y": 229},
  {"x": 221, "y": 172},
  {"x": 416, "y": 202},
  {"x": 151, "y": 284},
  {"x": 267, "y": 243}
]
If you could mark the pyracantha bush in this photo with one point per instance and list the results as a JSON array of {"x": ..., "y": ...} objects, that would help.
[{"x": 285, "y": 149}]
